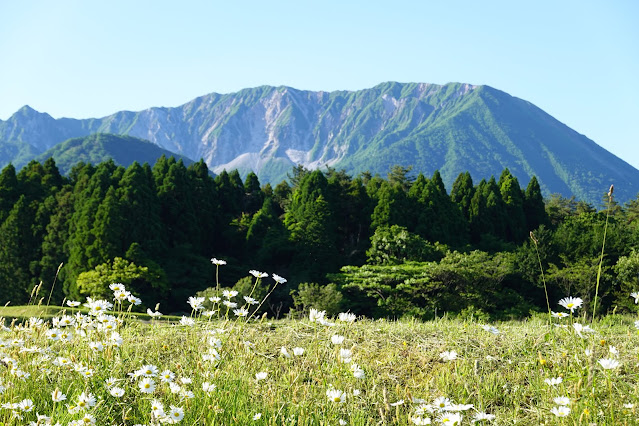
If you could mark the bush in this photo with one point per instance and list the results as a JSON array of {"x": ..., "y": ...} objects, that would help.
[
  {"x": 396, "y": 245},
  {"x": 312, "y": 295},
  {"x": 137, "y": 279}
]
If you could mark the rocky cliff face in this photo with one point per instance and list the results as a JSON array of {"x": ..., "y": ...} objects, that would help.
[{"x": 453, "y": 128}]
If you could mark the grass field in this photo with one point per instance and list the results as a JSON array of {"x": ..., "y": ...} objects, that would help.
[{"x": 112, "y": 369}]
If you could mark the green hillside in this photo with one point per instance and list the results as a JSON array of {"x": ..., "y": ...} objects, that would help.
[{"x": 101, "y": 147}]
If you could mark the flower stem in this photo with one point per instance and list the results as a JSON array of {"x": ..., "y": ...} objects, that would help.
[{"x": 603, "y": 245}]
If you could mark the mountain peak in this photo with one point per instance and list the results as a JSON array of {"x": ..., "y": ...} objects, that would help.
[
  {"x": 27, "y": 110},
  {"x": 30, "y": 113}
]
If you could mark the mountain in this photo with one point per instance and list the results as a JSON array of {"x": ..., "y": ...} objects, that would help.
[
  {"x": 454, "y": 128},
  {"x": 100, "y": 147}
]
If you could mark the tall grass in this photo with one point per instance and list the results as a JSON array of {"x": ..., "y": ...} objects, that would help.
[{"x": 317, "y": 370}]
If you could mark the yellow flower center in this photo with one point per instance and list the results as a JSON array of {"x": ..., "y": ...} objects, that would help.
[
  {"x": 337, "y": 399},
  {"x": 570, "y": 305}
]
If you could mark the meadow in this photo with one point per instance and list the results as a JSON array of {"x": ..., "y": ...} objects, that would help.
[{"x": 98, "y": 363}]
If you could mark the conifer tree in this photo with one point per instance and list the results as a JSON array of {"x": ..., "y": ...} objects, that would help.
[
  {"x": 440, "y": 219},
  {"x": 358, "y": 214},
  {"x": 9, "y": 191},
  {"x": 282, "y": 194},
  {"x": 54, "y": 251},
  {"x": 312, "y": 227},
  {"x": 16, "y": 249},
  {"x": 207, "y": 211},
  {"x": 177, "y": 209},
  {"x": 52, "y": 179},
  {"x": 231, "y": 194},
  {"x": 495, "y": 210},
  {"x": 417, "y": 203},
  {"x": 88, "y": 195},
  {"x": 351, "y": 208},
  {"x": 296, "y": 175},
  {"x": 462, "y": 193},
  {"x": 399, "y": 175},
  {"x": 534, "y": 207},
  {"x": 631, "y": 211},
  {"x": 392, "y": 207},
  {"x": 140, "y": 210},
  {"x": 315, "y": 236},
  {"x": 30, "y": 181},
  {"x": 107, "y": 230},
  {"x": 253, "y": 196},
  {"x": 309, "y": 189},
  {"x": 161, "y": 168},
  {"x": 513, "y": 201},
  {"x": 479, "y": 222}
]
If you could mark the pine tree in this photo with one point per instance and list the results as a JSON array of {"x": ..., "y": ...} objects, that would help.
[
  {"x": 392, "y": 207},
  {"x": 88, "y": 195},
  {"x": 140, "y": 209},
  {"x": 312, "y": 227},
  {"x": 261, "y": 222},
  {"x": 440, "y": 219},
  {"x": 231, "y": 195},
  {"x": 479, "y": 222},
  {"x": 315, "y": 235},
  {"x": 462, "y": 193},
  {"x": 107, "y": 231},
  {"x": 177, "y": 209},
  {"x": 296, "y": 175},
  {"x": 416, "y": 205},
  {"x": 282, "y": 195},
  {"x": 16, "y": 246},
  {"x": 399, "y": 175},
  {"x": 161, "y": 168},
  {"x": 513, "y": 201},
  {"x": 52, "y": 179},
  {"x": 534, "y": 207},
  {"x": 207, "y": 210},
  {"x": 351, "y": 208},
  {"x": 53, "y": 250},
  {"x": 631, "y": 211},
  {"x": 358, "y": 220},
  {"x": 495, "y": 209},
  {"x": 9, "y": 191},
  {"x": 309, "y": 189},
  {"x": 30, "y": 181},
  {"x": 253, "y": 197}
]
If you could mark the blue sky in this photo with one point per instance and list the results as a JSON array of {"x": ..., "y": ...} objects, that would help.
[{"x": 577, "y": 60}]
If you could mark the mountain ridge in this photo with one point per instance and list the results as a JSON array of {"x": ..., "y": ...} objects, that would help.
[{"x": 454, "y": 128}]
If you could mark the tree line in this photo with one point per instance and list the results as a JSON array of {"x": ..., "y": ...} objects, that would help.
[{"x": 378, "y": 246}]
